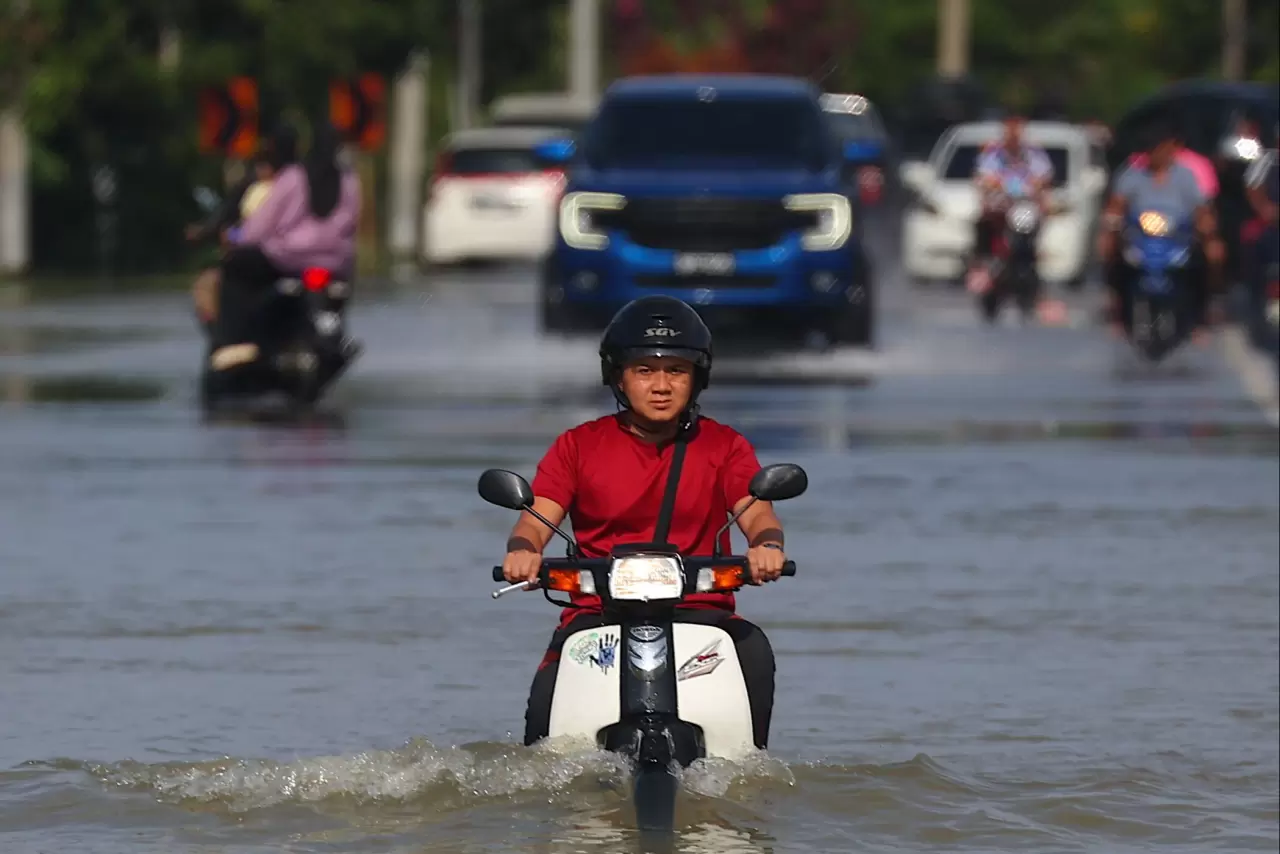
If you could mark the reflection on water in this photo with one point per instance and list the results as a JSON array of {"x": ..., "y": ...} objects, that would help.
[{"x": 91, "y": 389}]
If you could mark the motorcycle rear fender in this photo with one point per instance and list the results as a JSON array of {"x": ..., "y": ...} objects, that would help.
[{"x": 711, "y": 694}]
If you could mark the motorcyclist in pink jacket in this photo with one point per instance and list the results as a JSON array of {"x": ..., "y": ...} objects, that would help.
[{"x": 308, "y": 220}]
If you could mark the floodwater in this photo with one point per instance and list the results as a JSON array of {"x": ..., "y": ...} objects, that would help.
[{"x": 1037, "y": 608}]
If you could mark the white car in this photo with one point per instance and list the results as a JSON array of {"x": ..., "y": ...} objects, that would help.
[
  {"x": 542, "y": 109},
  {"x": 938, "y": 225},
  {"x": 491, "y": 199}
]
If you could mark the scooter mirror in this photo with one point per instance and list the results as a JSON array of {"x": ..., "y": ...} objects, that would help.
[
  {"x": 505, "y": 489},
  {"x": 779, "y": 482}
]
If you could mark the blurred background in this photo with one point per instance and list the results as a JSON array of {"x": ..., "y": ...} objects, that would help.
[{"x": 101, "y": 141}]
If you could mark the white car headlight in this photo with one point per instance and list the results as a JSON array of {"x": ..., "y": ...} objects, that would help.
[
  {"x": 576, "y": 224},
  {"x": 835, "y": 219},
  {"x": 645, "y": 578}
]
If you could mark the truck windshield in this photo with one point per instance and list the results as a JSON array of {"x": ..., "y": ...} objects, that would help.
[{"x": 730, "y": 133}]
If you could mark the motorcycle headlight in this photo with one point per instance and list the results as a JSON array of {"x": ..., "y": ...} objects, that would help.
[
  {"x": 835, "y": 219},
  {"x": 577, "y": 224},
  {"x": 1153, "y": 224},
  {"x": 1023, "y": 216},
  {"x": 645, "y": 578},
  {"x": 1247, "y": 148}
]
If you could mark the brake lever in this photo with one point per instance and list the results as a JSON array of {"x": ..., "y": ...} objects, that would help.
[{"x": 511, "y": 588}]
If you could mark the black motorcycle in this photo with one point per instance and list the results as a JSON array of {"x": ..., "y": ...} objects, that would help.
[
  {"x": 304, "y": 347},
  {"x": 1156, "y": 251},
  {"x": 1012, "y": 273}
]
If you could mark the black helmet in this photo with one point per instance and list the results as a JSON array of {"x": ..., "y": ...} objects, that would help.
[{"x": 655, "y": 326}]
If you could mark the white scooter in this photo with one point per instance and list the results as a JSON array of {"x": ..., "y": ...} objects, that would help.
[{"x": 657, "y": 691}]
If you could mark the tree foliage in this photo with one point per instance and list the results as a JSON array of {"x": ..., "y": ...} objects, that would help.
[{"x": 90, "y": 80}]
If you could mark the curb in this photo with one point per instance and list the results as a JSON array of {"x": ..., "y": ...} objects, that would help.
[{"x": 1257, "y": 371}]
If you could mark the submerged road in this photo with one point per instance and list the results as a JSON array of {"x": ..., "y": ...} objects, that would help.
[{"x": 1037, "y": 609}]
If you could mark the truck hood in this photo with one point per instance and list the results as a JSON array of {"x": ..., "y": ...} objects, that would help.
[{"x": 691, "y": 182}]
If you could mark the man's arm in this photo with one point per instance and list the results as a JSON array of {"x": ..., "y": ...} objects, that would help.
[
  {"x": 765, "y": 554},
  {"x": 1262, "y": 206},
  {"x": 759, "y": 524},
  {"x": 1042, "y": 176},
  {"x": 529, "y": 534},
  {"x": 1113, "y": 214},
  {"x": 1255, "y": 182},
  {"x": 553, "y": 489},
  {"x": 986, "y": 173},
  {"x": 1206, "y": 221},
  {"x": 1109, "y": 225}
]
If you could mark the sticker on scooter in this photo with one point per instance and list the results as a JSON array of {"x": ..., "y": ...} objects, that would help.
[
  {"x": 701, "y": 663},
  {"x": 596, "y": 650}
]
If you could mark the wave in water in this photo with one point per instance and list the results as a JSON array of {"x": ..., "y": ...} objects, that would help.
[
  {"x": 416, "y": 771},
  {"x": 806, "y": 807}
]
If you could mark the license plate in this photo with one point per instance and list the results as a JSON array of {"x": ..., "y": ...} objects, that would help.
[
  {"x": 704, "y": 263},
  {"x": 493, "y": 202}
]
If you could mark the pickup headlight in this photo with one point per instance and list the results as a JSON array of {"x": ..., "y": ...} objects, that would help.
[
  {"x": 576, "y": 218},
  {"x": 835, "y": 219}
]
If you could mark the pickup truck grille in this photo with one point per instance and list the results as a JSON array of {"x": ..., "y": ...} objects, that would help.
[
  {"x": 707, "y": 224},
  {"x": 669, "y": 282}
]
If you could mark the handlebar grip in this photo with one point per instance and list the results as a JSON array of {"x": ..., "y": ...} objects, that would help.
[
  {"x": 789, "y": 568},
  {"x": 498, "y": 576}
]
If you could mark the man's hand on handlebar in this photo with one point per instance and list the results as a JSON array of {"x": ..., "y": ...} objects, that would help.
[
  {"x": 522, "y": 563},
  {"x": 1214, "y": 250},
  {"x": 765, "y": 562}
]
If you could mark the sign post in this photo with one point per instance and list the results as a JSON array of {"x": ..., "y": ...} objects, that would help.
[
  {"x": 229, "y": 118},
  {"x": 357, "y": 109}
]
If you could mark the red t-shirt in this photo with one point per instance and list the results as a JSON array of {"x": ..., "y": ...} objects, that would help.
[{"x": 611, "y": 482}]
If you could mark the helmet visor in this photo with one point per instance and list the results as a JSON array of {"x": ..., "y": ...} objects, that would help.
[{"x": 633, "y": 354}]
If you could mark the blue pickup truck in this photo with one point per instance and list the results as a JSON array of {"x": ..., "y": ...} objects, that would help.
[{"x": 726, "y": 191}]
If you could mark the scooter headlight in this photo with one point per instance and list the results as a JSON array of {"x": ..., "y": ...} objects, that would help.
[
  {"x": 578, "y": 212},
  {"x": 1153, "y": 224},
  {"x": 1247, "y": 148},
  {"x": 1023, "y": 217},
  {"x": 646, "y": 578},
  {"x": 835, "y": 219}
]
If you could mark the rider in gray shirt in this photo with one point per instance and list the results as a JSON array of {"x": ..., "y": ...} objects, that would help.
[
  {"x": 1175, "y": 193},
  {"x": 1171, "y": 189}
]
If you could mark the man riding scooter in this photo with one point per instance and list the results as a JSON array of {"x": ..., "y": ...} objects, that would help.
[
  {"x": 1170, "y": 188},
  {"x": 1005, "y": 169},
  {"x": 610, "y": 476}
]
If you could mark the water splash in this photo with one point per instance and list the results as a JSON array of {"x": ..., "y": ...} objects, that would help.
[{"x": 417, "y": 771}]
